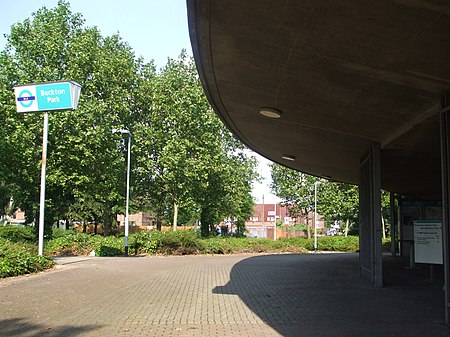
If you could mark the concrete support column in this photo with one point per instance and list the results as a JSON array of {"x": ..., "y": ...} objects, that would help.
[
  {"x": 393, "y": 224},
  {"x": 370, "y": 249},
  {"x": 445, "y": 171}
]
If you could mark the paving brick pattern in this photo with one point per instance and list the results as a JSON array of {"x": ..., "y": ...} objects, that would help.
[{"x": 243, "y": 295}]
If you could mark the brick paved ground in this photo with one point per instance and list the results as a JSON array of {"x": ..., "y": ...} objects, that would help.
[{"x": 244, "y": 295}]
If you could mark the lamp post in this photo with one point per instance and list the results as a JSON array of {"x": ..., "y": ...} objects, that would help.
[
  {"x": 126, "y": 132},
  {"x": 275, "y": 222},
  {"x": 315, "y": 215},
  {"x": 263, "y": 218}
]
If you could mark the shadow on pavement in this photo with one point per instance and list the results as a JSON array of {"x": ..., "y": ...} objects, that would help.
[
  {"x": 21, "y": 327},
  {"x": 323, "y": 295}
]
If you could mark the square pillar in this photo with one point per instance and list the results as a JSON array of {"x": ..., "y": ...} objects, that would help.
[
  {"x": 445, "y": 172},
  {"x": 370, "y": 227}
]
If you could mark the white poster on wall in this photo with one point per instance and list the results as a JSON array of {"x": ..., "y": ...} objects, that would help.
[{"x": 428, "y": 242}]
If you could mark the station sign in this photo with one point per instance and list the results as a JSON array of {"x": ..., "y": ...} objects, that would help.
[{"x": 61, "y": 95}]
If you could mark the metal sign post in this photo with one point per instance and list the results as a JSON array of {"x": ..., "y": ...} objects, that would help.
[
  {"x": 42, "y": 194},
  {"x": 315, "y": 215},
  {"x": 44, "y": 97}
]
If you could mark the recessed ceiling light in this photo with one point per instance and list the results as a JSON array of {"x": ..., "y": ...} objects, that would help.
[
  {"x": 270, "y": 112},
  {"x": 288, "y": 157}
]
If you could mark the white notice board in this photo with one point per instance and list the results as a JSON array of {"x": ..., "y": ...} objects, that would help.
[{"x": 428, "y": 241}]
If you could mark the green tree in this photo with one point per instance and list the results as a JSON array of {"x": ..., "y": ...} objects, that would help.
[
  {"x": 184, "y": 161},
  {"x": 386, "y": 213},
  {"x": 84, "y": 157},
  {"x": 339, "y": 202},
  {"x": 295, "y": 189},
  {"x": 186, "y": 158},
  {"x": 336, "y": 201},
  {"x": 238, "y": 186}
]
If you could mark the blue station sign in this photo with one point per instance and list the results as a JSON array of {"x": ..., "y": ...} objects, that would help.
[{"x": 62, "y": 95}]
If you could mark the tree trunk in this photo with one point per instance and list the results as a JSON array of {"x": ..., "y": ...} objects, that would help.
[
  {"x": 308, "y": 228},
  {"x": 95, "y": 227},
  {"x": 384, "y": 227},
  {"x": 158, "y": 221},
  {"x": 107, "y": 218},
  {"x": 346, "y": 227},
  {"x": 204, "y": 221},
  {"x": 175, "y": 216}
]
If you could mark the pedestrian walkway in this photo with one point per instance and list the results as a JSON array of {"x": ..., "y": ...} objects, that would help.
[{"x": 239, "y": 295}]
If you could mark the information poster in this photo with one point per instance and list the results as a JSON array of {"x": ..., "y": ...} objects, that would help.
[
  {"x": 428, "y": 242},
  {"x": 410, "y": 213}
]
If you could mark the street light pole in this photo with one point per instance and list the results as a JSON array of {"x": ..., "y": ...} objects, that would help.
[
  {"x": 275, "y": 221},
  {"x": 123, "y": 132},
  {"x": 128, "y": 194},
  {"x": 315, "y": 215},
  {"x": 263, "y": 218}
]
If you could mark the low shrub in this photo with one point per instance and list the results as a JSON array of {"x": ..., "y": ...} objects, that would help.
[
  {"x": 188, "y": 242},
  {"x": 300, "y": 242},
  {"x": 339, "y": 243},
  {"x": 18, "y": 233},
  {"x": 20, "y": 258},
  {"x": 219, "y": 245},
  {"x": 325, "y": 243},
  {"x": 167, "y": 243},
  {"x": 146, "y": 242},
  {"x": 109, "y": 246},
  {"x": 386, "y": 245},
  {"x": 71, "y": 244},
  {"x": 60, "y": 232}
]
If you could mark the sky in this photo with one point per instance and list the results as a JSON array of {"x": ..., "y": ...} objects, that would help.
[{"x": 155, "y": 30}]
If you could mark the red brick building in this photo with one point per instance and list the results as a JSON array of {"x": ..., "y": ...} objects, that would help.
[
  {"x": 264, "y": 217},
  {"x": 140, "y": 219}
]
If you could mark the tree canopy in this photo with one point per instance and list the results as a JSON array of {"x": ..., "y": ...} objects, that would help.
[
  {"x": 335, "y": 201},
  {"x": 187, "y": 159},
  {"x": 183, "y": 158}
]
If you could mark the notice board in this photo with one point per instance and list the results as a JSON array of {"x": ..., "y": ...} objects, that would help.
[{"x": 428, "y": 242}]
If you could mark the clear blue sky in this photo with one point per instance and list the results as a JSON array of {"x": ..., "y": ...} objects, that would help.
[{"x": 155, "y": 29}]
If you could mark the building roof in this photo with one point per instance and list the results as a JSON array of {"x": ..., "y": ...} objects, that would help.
[{"x": 344, "y": 75}]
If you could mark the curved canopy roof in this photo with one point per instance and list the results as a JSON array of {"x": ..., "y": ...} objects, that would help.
[{"x": 344, "y": 75}]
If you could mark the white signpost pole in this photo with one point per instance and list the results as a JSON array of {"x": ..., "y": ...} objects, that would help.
[
  {"x": 42, "y": 196},
  {"x": 275, "y": 221},
  {"x": 44, "y": 97},
  {"x": 315, "y": 215}
]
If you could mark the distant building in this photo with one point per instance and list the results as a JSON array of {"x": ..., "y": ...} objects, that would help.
[
  {"x": 140, "y": 219},
  {"x": 17, "y": 218},
  {"x": 264, "y": 216}
]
